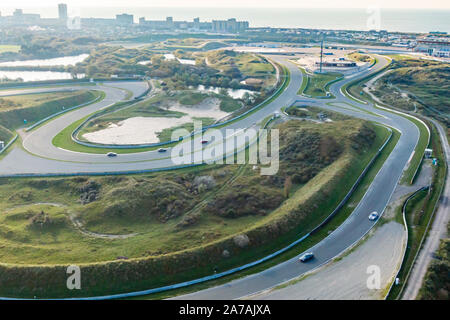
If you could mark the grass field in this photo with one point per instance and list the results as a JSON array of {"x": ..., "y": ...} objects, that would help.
[
  {"x": 247, "y": 64},
  {"x": 5, "y": 134},
  {"x": 9, "y": 48},
  {"x": 414, "y": 165},
  {"x": 316, "y": 85},
  {"x": 68, "y": 195},
  {"x": 359, "y": 57}
]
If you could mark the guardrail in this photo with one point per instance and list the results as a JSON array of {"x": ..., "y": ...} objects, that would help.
[
  {"x": 355, "y": 185},
  {"x": 425, "y": 233},
  {"x": 61, "y": 82},
  {"x": 404, "y": 253},
  {"x": 9, "y": 143},
  {"x": 165, "y": 143}
]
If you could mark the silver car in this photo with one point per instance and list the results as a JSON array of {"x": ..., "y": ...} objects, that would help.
[
  {"x": 306, "y": 256},
  {"x": 373, "y": 216}
]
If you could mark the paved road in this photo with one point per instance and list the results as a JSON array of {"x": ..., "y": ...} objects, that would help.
[
  {"x": 376, "y": 197},
  {"x": 437, "y": 232},
  {"x": 347, "y": 277},
  {"x": 356, "y": 226}
]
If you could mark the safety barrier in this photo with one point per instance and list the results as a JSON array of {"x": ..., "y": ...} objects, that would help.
[
  {"x": 9, "y": 143},
  {"x": 404, "y": 252},
  {"x": 355, "y": 185}
]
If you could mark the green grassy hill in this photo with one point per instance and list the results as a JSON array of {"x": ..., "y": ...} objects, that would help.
[
  {"x": 36, "y": 107},
  {"x": 5, "y": 134}
]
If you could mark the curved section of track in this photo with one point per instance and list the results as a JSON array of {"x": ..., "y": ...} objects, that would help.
[{"x": 39, "y": 147}]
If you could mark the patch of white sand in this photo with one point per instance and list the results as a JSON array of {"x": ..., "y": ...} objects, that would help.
[
  {"x": 208, "y": 108},
  {"x": 141, "y": 130}
]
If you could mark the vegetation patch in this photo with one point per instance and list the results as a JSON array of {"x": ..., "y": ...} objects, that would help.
[
  {"x": 436, "y": 284},
  {"x": 317, "y": 84},
  {"x": 34, "y": 107},
  {"x": 417, "y": 85}
]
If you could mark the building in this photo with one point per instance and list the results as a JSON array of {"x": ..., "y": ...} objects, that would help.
[
  {"x": 170, "y": 24},
  {"x": 62, "y": 11},
  {"x": 25, "y": 18},
  {"x": 337, "y": 64},
  {"x": 125, "y": 19},
  {"x": 438, "y": 47},
  {"x": 229, "y": 26}
]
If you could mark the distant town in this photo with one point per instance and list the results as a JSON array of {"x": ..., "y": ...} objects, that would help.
[{"x": 434, "y": 43}]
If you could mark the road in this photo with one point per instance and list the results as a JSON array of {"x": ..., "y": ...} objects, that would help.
[
  {"x": 437, "y": 232},
  {"x": 355, "y": 227},
  {"x": 47, "y": 159},
  {"x": 347, "y": 278}
]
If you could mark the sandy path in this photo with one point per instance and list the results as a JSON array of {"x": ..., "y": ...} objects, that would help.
[{"x": 346, "y": 278}]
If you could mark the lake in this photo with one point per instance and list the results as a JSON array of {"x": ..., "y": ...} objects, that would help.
[
  {"x": 61, "y": 61},
  {"x": 234, "y": 93},
  {"x": 37, "y": 75}
]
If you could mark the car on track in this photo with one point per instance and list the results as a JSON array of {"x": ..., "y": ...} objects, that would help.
[
  {"x": 162, "y": 150},
  {"x": 373, "y": 216},
  {"x": 306, "y": 257},
  {"x": 205, "y": 141},
  {"x": 111, "y": 154}
]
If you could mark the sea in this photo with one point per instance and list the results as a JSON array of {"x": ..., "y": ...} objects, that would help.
[{"x": 403, "y": 20}]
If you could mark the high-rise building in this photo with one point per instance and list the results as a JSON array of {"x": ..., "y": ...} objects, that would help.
[
  {"x": 124, "y": 18},
  {"x": 62, "y": 11}
]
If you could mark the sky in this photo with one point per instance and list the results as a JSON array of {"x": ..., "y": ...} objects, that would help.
[{"x": 402, "y": 4}]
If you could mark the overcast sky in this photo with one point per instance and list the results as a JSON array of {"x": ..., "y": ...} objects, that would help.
[{"x": 403, "y": 4}]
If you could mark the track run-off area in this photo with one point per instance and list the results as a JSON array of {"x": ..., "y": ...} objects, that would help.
[{"x": 38, "y": 156}]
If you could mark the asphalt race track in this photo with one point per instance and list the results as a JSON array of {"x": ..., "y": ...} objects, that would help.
[{"x": 40, "y": 157}]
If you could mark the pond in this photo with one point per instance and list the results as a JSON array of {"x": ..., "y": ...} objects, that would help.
[
  {"x": 141, "y": 130},
  {"x": 37, "y": 75},
  {"x": 61, "y": 61},
  {"x": 234, "y": 93}
]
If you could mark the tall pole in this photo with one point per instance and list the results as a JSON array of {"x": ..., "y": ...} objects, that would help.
[{"x": 321, "y": 54}]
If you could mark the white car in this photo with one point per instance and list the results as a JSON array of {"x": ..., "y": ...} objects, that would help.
[
  {"x": 373, "y": 216},
  {"x": 306, "y": 256}
]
